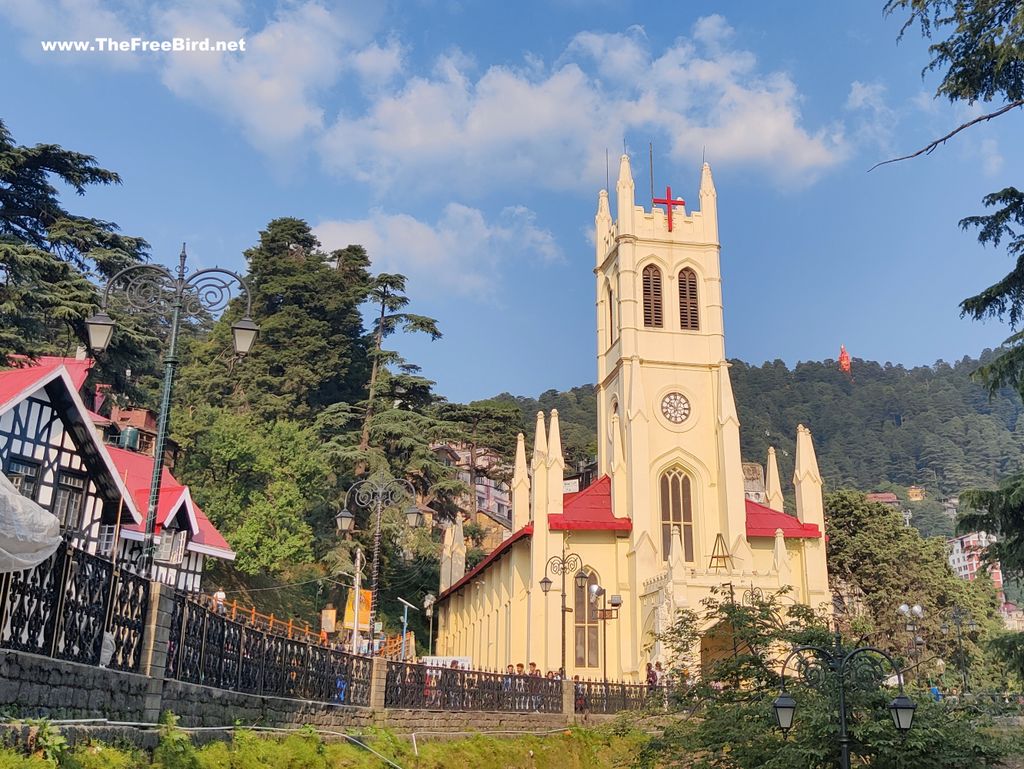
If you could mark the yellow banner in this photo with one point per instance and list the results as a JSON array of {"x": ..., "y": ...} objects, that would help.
[{"x": 364, "y": 611}]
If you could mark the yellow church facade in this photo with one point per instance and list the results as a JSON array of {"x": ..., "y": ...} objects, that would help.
[{"x": 667, "y": 520}]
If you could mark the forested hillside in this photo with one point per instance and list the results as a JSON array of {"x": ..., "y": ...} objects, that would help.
[{"x": 886, "y": 425}]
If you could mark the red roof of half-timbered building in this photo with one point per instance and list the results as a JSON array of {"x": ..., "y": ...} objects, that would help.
[{"x": 137, "y": 471}]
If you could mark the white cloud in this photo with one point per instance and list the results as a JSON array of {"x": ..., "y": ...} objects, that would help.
[
  {"x": 550, "y": 127},
  {"x": 273, "y": 91},
  {"x": 377, "y": 64},
  {"x": 537, "y": 124},
  {"x": 462, "y": 252},
  {"x": 70, "y": 20},
  {"x": 991, "y": 157},
  {"x": 876, "y": 119},
  {"x": 270, "y": 90}
]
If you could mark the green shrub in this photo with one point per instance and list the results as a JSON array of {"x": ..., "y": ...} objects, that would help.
[
  {"x": 11, "y": 759},
  {"x": 102, "y": 757},
  {"x": 175, "y": 749}
]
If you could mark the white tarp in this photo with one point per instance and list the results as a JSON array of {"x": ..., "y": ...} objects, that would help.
[{"x": 28, "y": 533}]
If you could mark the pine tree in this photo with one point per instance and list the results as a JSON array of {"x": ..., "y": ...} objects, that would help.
[
  {"x": 49, "y": 256},
  {"x": 310, "y": 353},
  {"x": 387, "y": 296}
]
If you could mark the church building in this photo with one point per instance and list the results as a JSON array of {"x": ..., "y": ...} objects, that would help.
[{"x": 667, "y": 519}]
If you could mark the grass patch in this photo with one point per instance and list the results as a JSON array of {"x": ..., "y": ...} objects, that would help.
[{"x": 571, "y": 749}]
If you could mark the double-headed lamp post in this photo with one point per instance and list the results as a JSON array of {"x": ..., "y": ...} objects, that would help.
[
  {"x": 377, "y": 493},
  {"x": 857, "y": 665},
  {"x": 560, "y": 565},
  {"x": 960, "y": 617},
  {"x": 153, "y": 287}
]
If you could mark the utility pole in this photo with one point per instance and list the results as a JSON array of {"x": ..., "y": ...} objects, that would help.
[{"x": 358, "y": 583}]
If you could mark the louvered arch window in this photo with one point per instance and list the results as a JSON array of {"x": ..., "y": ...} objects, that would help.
[
  {"x": 653, "y": 316},
  {"x": 689, "y": 313}
]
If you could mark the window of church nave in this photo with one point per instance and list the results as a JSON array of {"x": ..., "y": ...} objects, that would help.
[
  {"x": 611, "y": 317},
  {"x": 652, "y": 297},
  {"x": 585, "y": 617},
  {"x": 689, "y": 315},
  {"x": 676, "y": 511}
]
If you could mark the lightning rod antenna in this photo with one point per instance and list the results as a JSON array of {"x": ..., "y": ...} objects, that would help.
[{"x": 650, "y": 153}]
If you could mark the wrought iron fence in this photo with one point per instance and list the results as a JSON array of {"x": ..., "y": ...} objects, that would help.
[
  {"x": 611, "y": 697},
  {"x": 63, "y": 607},
  {"x": 210, "y": 649},
  {"x": 437, "y": 688}
]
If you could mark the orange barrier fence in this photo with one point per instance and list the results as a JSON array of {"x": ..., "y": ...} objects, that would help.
[{"x": 240, "y": 613}]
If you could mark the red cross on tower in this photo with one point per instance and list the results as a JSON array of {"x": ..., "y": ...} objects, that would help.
[{"x": 669, "y": 204}]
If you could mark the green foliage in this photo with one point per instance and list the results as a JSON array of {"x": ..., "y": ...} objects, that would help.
[
  {"x": 876, "y": 564},
  {"x": 999, "y": 512},
  {"x": 311, "y": 351},
  {"x": 887, "y": 427},
  {"x": 475, "y": 533},
  {"x": 577, "y": 419},
  {"x": 247, "y": 750},
  {"x": 262, "y": 484},
  {"x": 980, "y": 58},
  {"x": 9, "y": 759},
  {"x": 102, "y": 757},
  {"x": 45, "y": 740},
  {"x": 980, "y": 61},
  {"x": 725, "y": 721},
  {"x": 1010, "y": 648},
  {"x": 304, "y": 749},
  {"x": 48, "y": 256},
  {"x": 175, "y": 749}
]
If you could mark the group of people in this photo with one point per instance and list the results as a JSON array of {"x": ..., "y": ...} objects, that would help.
[{"x": 455, "y": 688}]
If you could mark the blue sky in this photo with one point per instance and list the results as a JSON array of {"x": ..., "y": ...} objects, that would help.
[{"x": 464, "y": 145}]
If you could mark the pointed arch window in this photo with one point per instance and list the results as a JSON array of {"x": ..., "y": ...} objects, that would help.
[
  {"x": 676, "y": 511},
  {"x": 652, "y": 297},
  {"x": 611, "y": 317},
  {"x": 585, "y": 618},
  {"x": 689, "y": 313}
]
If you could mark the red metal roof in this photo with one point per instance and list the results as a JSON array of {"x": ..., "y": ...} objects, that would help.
[
  {"x": 494, "y": 555},
  {"x": 137, "y": 470},
  {"x": 763, "y": 521},
  {"x": 589, "y": 510},
  {"x": 13, "y": 381},
  {"x": 885, "y": 497}
]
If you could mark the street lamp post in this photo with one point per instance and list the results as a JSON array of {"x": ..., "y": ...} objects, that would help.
[
  {"x": 916, "y": 642},
  {"x": 604, "y": 614},
  {"x": 959, "y": 617},
  {"x": 378, "y": 492},
  {"x": 428, "y": 606},
  {"x": 152, "y": 287},
  {"x": 405, "y": 623},
  {"x": 559, "y": 565},
  {"x": 855, "y": 664}
]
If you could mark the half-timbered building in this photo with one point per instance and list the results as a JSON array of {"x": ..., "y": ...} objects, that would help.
[{"x": 52, "y": 447}]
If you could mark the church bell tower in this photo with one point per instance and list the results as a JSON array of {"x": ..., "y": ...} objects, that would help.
[{"x": 668, "y": 434}]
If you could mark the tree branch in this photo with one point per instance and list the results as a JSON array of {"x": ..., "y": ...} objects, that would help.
[{"x": 929, "y": 148}]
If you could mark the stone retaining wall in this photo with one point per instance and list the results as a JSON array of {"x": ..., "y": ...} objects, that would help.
[
  {"x": 41, "y": 686},
  {"x": 206, "y": 706},
  {"x": 32, "y": 685}
]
